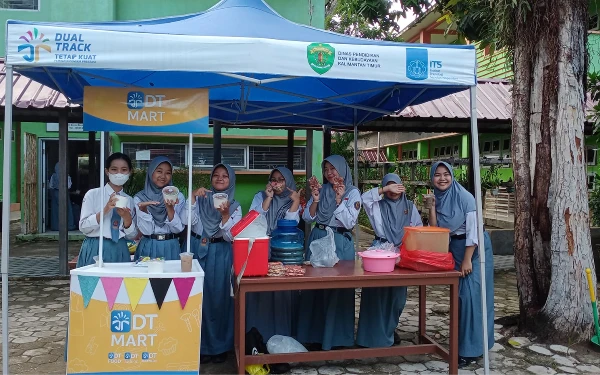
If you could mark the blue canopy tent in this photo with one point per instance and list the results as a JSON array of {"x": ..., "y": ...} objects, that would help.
[{"x": 259, "y": 68}]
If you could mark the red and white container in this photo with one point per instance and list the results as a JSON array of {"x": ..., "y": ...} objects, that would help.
[
  {"x": 256, "y": 255},
  {"x": 378, "y": 260}
]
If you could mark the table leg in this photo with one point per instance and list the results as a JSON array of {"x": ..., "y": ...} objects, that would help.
[
  {"x": 422, "y": 312},
  {"x": 453, "y": 350},
  {"x": 241, "y": 319},
  {"x": 236, "y": 327}
]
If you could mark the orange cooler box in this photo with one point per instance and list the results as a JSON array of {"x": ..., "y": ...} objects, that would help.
[
  {"x": 258, "y": 261},
  {"x": 426, "y": 238}
]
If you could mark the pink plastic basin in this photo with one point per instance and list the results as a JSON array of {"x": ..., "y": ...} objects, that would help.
[{"x": 378, "y": 260}]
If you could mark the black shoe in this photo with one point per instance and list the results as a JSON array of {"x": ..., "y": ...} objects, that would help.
[
  {"x": 314, "y": 347},
  {"x": 219, "y": 358},
  {"x": 204, "y": 359},
  {"x": 397, "y": 340},
  {"x": 280, "y": 368},
  {"x": 466, "y": 361}
]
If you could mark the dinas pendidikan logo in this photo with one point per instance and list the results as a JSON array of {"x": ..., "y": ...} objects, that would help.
[
  {"x": 417, "y": 61},
  {"x": 34, "y": 41},
  {"x": 321, "y": 57}
]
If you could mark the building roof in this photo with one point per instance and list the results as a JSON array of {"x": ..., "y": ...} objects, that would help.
[
  {"x": 370, "y": 156},
  {"x": 28, "y": 93}
]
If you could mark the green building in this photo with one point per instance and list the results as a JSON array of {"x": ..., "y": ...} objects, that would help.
[{"x": 252, "y": 152}]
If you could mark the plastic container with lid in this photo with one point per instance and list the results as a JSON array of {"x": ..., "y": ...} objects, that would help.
[
  {"x": 378, "y": 260},
  {"x": 287, "y": 243},
  {"x": 434, "y": 239},
  {"x": 255, "y": 257}
]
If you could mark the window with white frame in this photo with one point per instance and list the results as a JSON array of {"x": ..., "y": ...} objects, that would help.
[
  {"x": 591, "y": 156},
  {"x": 20, "y": 4},
  {"x": 270, "y": 157},
  {"x": 239, "y": 157},
  {"x": 142, "y": 153}
]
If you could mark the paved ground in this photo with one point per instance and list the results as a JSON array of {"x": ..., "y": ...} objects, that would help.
[{"x": 39, "y": 309}]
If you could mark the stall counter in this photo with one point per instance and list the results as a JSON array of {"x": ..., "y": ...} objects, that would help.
[{"x": 125, "y": 320}]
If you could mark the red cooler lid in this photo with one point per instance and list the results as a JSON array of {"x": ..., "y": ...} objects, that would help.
[{"x": 242, "y": 224}]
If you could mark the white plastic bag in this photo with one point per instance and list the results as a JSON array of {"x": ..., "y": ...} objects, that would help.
[
  {"x": 322, "y": 251},
  {"x": 388, "y": 246},
  {"x": 278, "y": 344}
]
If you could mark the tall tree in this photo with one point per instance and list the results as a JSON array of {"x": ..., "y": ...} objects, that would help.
[{"x": 546, "y": 41}]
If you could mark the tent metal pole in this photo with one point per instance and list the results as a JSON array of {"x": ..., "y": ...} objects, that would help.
[
  {"x": 217, "y": 142},
  {"x": 357, "y": 227},
  {"x": 309, "y": 174},
  {"x": 190, "y": 192},
  {"x": 101, "y": 236},
  {"x": 6, "y": 212},
  {"x": 63, "y": 193},
  {"x": 478, "y": 200},
  {"x": 290, "y": 150}
]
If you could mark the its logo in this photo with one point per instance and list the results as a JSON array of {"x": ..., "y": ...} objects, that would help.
[
  {"x": 135, "y": 100},
  {"x": 120, "y": 321},
  {"x": 417, "y": 63},
  {"x": 34, "y": 41},
  {"x": 320, "y": 57}
]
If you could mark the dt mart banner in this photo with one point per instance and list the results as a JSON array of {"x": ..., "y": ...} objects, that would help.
[
  {"x": 131, "y": 325},
  {"x": 145, "y": 110}
]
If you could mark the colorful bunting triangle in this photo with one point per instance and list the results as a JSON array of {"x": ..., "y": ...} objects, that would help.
[
  {"x": 160, "y": 287},
  {"x": 111, "y": 289},
  {"x": 87, "y": 284},
  {"x": 135, "y": 288},
  {"x": 183, "y": 287}
]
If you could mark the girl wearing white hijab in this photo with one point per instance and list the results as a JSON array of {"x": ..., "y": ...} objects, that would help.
[
  {"x": 455, "y": 210},
  {"x": 159, "y": 221},
  {"x": 211, "y": 244},
  {"x": 380, "y": 308},
  {"x": 326, "y": 317}
]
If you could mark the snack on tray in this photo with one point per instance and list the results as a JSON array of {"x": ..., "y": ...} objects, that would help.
[
  {"x": 314, "y": 183},
  {"x": 338, "y": 182},
  {"x": 293, "y": 270},
  {"x": 276, "y": 269},
  {"x": 143, "y": 261}
]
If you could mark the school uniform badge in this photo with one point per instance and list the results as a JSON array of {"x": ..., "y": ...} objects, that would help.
[
  {"x": 405, "y": 212},
  {"x": 357, "y": 205}
]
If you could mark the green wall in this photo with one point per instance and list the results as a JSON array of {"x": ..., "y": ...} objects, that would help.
[{"x": 109, "y": 10}]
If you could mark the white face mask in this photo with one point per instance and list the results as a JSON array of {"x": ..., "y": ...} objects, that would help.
[{"x": 118, "y": 179}]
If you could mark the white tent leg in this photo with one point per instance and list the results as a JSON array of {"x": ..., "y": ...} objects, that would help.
[
  {"x": 189, "y": 198},
  {"x": 357, "y": 226},
  {"x": 478, "y": 200},
  {"x": 102, "y": 156},
  {"x": 6, "y": 212}
]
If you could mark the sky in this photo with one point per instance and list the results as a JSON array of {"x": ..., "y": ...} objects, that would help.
[{"x": 410, "y": 16}]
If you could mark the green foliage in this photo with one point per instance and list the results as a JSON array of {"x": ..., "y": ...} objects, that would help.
[
  {"x": 595, "y": 204},
  {"x": 594, "y": 90},
  {"x": 491, "y": 178},
  {"x": 343, "y": 144},
  {"x": 371, "y": 19}
]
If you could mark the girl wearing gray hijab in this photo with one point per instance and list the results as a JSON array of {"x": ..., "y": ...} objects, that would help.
[
  {"x": 271, "y": 312},
  {"x": 326, "y": 317},
  {"x": 380, "y": 308},
  {"x": 455, "y": 210},
  {"x": 157, "y": 220},
  {"x": 211, "y": 244}
]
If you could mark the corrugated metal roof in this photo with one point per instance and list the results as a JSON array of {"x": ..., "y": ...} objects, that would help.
[
  {"x": 371, "y": 156},
  {"x": 494, "y": 102},
  {"x": 28, "y": 93}
]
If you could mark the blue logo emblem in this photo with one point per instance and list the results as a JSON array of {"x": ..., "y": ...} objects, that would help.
[
  {"x": 135, "y": 100},
  {"x": 417, "y": 61},
  {"x": 111, "y": 355},
  {"x": 145, "y": 355},
  {"x": 120, "y": 321}
]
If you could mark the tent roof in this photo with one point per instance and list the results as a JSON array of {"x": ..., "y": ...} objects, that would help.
[{"x": 258, "y": 66}]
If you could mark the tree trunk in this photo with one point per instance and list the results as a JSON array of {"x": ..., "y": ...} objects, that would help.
[
  {"x": 552, "y": 237},
  {"x": 568, "y": 308}
]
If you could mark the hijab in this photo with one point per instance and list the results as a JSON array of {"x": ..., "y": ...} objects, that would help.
[
  {"x": 327, "y": 203},
  {"x": 54, "y": 179},
  {"x": 152, "y": 192},
  {"x": 210, "y": 216},
  {"x": 453, "y": 204},
  {"x": 282, "y": 202},
  {"x": 395, "y": 213}
]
